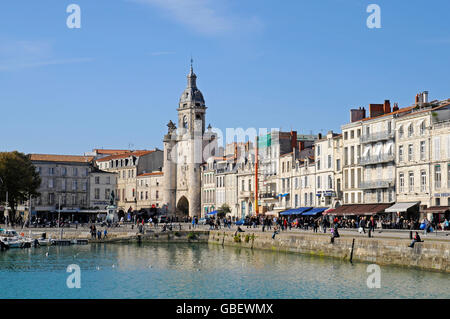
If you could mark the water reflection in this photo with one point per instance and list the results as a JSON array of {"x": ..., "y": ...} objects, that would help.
[{"x": 201, "y": 271}]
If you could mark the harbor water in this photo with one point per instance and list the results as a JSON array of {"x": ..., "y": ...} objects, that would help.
[{"x": 201, "y": 271}]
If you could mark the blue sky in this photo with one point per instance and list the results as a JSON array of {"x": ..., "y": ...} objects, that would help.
[{"x": 288, "y": 64}]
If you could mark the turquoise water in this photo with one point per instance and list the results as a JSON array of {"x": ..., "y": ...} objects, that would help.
[{"x": 201, "y": 271}]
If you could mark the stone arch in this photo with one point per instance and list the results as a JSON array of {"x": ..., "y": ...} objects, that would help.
[{"x": 183, "y": 206}]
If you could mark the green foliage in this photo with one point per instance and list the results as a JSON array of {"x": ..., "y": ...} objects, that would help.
[
  {"x": 223, "y": 210},
  {"x": 237, "y": 238},
  {"x": 192, "y": 236},
  {"x": 247, "y": 238},
  {"x": 19, "y": 176}
]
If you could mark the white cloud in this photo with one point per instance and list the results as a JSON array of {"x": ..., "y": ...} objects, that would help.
[
  {"x": 16, "y": 55},
  {"x": 203, "y": 16},
  {"x": 14, "y": 65}
]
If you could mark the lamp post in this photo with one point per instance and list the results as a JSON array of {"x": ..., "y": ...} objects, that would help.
[{"x": 59, "y": 209}]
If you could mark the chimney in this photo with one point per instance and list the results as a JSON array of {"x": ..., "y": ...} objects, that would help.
[
  {"x": 375, "y": 110},
  {"x": 425, "y": 97},
  {"x": 293, "y": 139},
  {"x": 417, "y": 99},
  {"x": 395, "y": 108},
  {"x": 387, "y": 106},
  {"x": 301, "y": 146},
  {"x": 357, "y": 114},
  {"x": 319, "y": 136}
]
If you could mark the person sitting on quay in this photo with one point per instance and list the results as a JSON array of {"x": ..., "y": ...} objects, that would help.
[{"x": 416, "y": 239}]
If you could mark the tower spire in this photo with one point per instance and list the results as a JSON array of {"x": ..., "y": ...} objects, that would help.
[{"x": 191, "y": 76}]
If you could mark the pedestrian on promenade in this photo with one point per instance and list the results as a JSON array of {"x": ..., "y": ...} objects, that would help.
[
  {"x": 105, "y": 232},
  {"x": 285, "y": 224},
  {"x": 362, "y": 224},
  {"x": 371, "y": 226},
  {"x": 99, "y": 235},
  {"x": 324, "y": 225},
  {"x": 316, "y": 225}
]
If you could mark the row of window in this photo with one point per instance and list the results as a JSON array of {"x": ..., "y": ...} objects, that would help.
[
  {"x": 130, "y": 173},
  {"x": 63, "y": 171},
  {"x": 97, "y": 180},
  {"x": 52, "y": 199},
  {"x": 65, "y": 183},
  {"x": 423, "y": 180},
  {"x": 97, "y": 193},
  {"x": 410, "y": 130}
]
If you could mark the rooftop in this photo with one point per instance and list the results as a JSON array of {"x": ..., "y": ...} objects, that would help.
[
  {"x": 60, "y": 158},
  {"x": 125, "y": 155}
]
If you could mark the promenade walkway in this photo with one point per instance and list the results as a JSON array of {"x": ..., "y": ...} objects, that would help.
[{"x": 344, "y": 232}]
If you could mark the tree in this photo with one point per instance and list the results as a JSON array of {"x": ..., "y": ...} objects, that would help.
[
  {"x": 20, "y": 178},
  {"x": 223, "y": 210}
]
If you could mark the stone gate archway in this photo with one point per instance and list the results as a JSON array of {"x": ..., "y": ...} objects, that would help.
[{"x": 183, "y": 206}]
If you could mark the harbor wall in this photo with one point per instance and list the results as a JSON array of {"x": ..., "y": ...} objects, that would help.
[{"x": 429, "y": 255}]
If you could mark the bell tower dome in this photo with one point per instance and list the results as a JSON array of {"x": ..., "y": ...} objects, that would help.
[{"x": 192, "y": 106}]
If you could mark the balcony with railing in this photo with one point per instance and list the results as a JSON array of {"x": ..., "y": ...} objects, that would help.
[
  {"x": 376, "y": 137},
  {"x": 380, "y": 183},
  {"x": 376, "y": 159}
]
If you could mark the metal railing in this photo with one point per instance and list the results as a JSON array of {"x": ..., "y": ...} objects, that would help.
[
  {"x": 380, "y": 183},
  {"x": 376, "y": 159},
  {"x": 374, "y": 137}
]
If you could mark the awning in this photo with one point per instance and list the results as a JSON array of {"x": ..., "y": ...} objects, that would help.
[
  {"x": 283, "y": 195},
  {"x": 296, "y": 211},
  {"x": 401, "y": 207},
  {"x": 315, "y": 211},
  {"x": 212, "y": 213},
  {"x": 437, "y": 209},
  {"x": 360, "y": 209}
]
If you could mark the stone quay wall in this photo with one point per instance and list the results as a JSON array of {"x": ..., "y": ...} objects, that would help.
[{"x": 428, "y": 255}]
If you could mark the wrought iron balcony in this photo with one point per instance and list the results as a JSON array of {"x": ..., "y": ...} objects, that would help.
[
  {"x": 380, "y": 183},
  {"x": 375, "y": 137},
  {"x": 376, "y": 159}
]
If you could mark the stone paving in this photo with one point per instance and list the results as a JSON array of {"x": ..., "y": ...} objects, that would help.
[{"x": 378, "y": 233}]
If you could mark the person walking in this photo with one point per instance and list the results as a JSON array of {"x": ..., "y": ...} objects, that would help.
[
  {"x": 316, "y": 225},
  {"x": 362, "y": 224},
  {"x": 371, "y": 226},
  {"x": 324, "y": 225}
]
